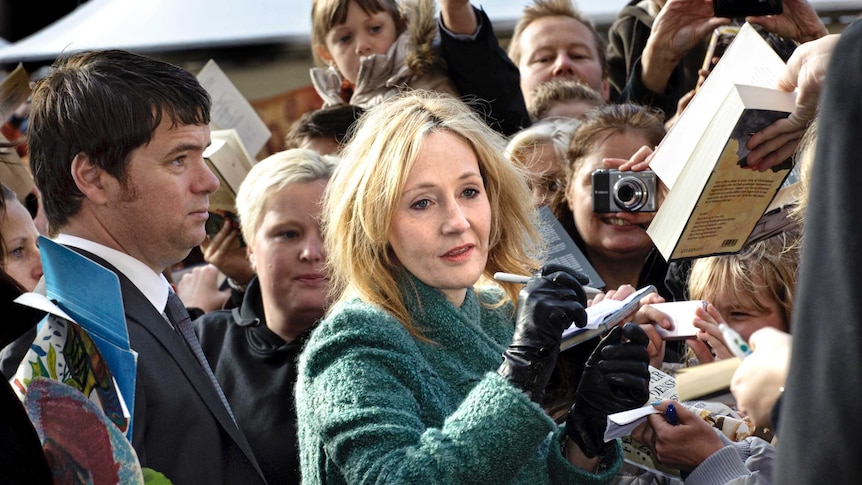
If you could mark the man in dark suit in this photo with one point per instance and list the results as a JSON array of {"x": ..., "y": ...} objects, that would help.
[{"x": 116, "y": 147}]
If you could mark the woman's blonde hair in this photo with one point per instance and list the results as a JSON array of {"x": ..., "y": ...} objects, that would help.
[
  {"x": 774, "y": 261},
  {"x": 558, "y": 131},
  {"x": 270, "y": 176},
  {"x": 367, "y": 186}
]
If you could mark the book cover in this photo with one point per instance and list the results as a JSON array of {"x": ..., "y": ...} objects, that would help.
[
  {"x": 85, "y": 296},
  {"x": 562, "y": 250},
  {"x": 706, "y": 379},
  {"x": 718, "y": 200}
]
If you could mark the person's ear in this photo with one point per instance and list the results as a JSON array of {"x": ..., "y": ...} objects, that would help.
[
  {"x": 323, "y": 53},
  {"x": 89, "y": 178},
  {"x": 250, "y": 252}
]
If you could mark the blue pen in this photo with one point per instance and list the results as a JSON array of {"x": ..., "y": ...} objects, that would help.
[{"x": 670, "y": 414}]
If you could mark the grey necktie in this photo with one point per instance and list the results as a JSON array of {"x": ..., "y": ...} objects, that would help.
[{"x": 179, "y": 317}]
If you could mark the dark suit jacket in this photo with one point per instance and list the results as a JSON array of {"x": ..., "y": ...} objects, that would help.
[{"x": 181, "y": 428}]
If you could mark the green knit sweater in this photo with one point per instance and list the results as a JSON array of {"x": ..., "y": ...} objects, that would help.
[{"x": 375, "y": 405}]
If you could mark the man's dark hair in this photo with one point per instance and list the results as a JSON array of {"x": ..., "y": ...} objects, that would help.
[{"x": 103, "y": 104}]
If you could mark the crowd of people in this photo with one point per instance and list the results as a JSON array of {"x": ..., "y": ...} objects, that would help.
[{"x": 360, "y": 336}]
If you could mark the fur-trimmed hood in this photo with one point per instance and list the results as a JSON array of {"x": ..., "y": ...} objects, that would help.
[{"x": 413, "y": 61}]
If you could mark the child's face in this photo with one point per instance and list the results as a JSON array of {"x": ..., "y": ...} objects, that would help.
[
  {"x": 360, "y": 35},
  {"x": 744, "y": 317}
]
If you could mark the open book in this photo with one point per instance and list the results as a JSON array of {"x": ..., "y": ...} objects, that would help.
[
  {"x": 717, "y": 200},
  {"x": 230, "y": 162}
]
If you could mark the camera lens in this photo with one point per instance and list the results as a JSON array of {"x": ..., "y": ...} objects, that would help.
[{"x": 630, "y": 193}]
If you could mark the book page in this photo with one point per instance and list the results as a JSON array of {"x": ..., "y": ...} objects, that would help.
[
  {"x": 230, "y": 109},
  {"x": 749, "y": 60}
]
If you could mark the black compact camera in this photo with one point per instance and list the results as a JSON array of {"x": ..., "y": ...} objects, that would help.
[
  {"x": 745, "y": 8},
  {"x": 615, "y": 191},
  {"x": 217, "y": 219}
]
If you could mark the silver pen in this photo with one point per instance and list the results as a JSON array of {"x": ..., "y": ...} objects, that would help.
[{"x": 516, "y": 278}]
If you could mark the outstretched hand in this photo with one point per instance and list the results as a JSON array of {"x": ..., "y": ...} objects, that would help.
[
  {"x": 798, "y": 21},
  {"x": 678, "y": 28},
  {"x": 806, "y": 70}
]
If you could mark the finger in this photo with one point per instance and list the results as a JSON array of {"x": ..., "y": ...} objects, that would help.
[
  {"x": 623, "y": 292},
  {"x": 701, "y": 351},
  {"x": 779, "y": 156},
  {"x": 639, "y": 160},
  {"x": 772, "y": 137},
  {"x": 634, "y": 333},
  {"x": 627, "y": 352},
  {"x": 770, "y": 147}
]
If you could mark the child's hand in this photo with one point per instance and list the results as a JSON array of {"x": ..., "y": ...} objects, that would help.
[{"x": 707, "y": 321}]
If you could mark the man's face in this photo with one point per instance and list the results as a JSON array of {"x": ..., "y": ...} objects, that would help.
[
  {"x": 559, "y": 48},
  {"x": 158, "y": 216}
]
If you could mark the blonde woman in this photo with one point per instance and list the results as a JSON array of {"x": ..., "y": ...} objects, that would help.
[
  {"x": 253, "y": 348},
  {"x": 541, "y": 150},
  {"x": 397, "y": 383}
]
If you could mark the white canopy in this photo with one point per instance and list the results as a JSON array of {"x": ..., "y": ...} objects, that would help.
[{"x": 170, "y": 25}]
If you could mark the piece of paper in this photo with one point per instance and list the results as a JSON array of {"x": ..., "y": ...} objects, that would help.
[
  {"x": 623, "y": 423},
  {"x": 681, "y": 315}
]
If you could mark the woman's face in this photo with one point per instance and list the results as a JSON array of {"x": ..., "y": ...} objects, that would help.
[
  {"x": 288, "y": 253},
  {"x": 20, "y": 239},
  {"x": 615, "y": 234},
  {"x": 442, "y": 223},
  {"x": 545, "y": 172}
]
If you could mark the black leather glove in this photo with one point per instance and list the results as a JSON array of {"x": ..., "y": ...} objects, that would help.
[
  {"x": 550, "y": 302},
  {"x": 615, "y": 379}
]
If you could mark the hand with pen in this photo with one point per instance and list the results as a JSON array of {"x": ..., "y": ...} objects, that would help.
[
  {"x": 551, "y": 301},
  {"x": 684, "y": 444}
]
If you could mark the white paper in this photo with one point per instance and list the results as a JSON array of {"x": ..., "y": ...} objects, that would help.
[
  {"x": 230, "y": 109},
  {"x": 623, "y": 423}
]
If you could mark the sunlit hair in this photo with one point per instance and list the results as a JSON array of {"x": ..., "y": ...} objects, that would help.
[
  {"x": 555, "y": 8},
  {"x": 555, "y": 130},
  {"x": 366, "y": 189},
  {"x": 805, "y": 156},
  {"x": 549, "y": 94},
  {"x": 774, "y": 261},
  {"x": 597, "y": 126},
  {"x": 271, "y": 175},
  {"x": 327, "y": 14}
]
